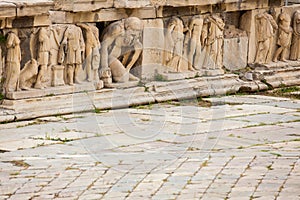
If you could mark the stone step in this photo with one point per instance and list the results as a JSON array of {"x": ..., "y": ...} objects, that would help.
[{"x": 29, "y": 108}]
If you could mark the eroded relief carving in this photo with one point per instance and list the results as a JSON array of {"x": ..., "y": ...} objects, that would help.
[
  {"x": 202, "y": 47},
  {"x": 121, "y": 48},
  {"x": 174, "y": 44},
  {"x": 92, "y": 51},
  {"x": 193, "y": 46},
  {"x": 28, "y": 74},
  {"x": 74, "y": 47},
  {"x": 284, "y": 37},
  {"x": 13, "y": 59},
  {"x": 43, "y": 57},
  {"x": 265, "y": 31},
  {"x": 295, "y": 48},
  {"x": 213, "y": 38}
]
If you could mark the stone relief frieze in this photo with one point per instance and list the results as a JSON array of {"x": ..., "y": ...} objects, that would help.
[
  {"x": 12, "y": 65},
  {"x": 265, "y": 32},
  {"x": 68, "y": 54},
  {"x": 295, "y": 47},
  {"x": 121, "y": 49},
  {"x": 284, "y": 37}
]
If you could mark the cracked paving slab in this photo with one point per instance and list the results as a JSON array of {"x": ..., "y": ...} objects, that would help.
[{"x": 242, "y": 147}]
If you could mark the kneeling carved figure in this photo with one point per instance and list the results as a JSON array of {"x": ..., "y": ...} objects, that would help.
[{"x": 121, "y": 48}]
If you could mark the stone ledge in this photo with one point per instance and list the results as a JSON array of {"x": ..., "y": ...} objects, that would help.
[
  {"x": 82, "y": 5},
  {"x": 7, "y": 10},
  {"x": 19, "y": 8},
  {"x": 179, "y": 75},
  {"x": 51, "y": 91},
  {"x": 22, "y": 109}
]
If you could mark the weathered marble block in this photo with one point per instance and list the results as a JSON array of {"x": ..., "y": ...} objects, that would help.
[
  {"x": 82, "y": 5},
  {"x": 58, "y": 75},
  {"x": 235, "y": 53},
  {"x": 153, "y": 41}
]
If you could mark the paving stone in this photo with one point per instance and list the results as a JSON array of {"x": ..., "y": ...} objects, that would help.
[{"x": 195, "y": 153}]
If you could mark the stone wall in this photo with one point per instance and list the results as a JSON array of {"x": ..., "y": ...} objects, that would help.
[{"x": 64, "y": 46}]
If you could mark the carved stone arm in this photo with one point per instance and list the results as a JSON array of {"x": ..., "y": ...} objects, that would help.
[{"x": 137, "y": 52}]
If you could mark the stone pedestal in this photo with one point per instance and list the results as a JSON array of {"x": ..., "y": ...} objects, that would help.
[{"x": 58, "y": 75}]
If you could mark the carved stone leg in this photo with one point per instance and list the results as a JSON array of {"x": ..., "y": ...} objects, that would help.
[
  {"x": 96, "y": 75},
  {"x": 283, "y": 53},
  {"x": 12, "y": 77},
  {"x": 133, "y": 78},
  {"x": 76, "y": 73},
  {"x": 119, "y": 73},
  {"x": 41, "y": 74},
  {"x": 263, "y": 51},
  {"x": 193, "y": 47},
  {"x": 70, "y": 74},
  {"x": 88, "y": 67},
  {"x": 277, "y": 53}
]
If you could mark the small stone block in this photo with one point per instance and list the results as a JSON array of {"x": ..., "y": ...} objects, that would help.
[
  {"x": 180, "y": 75},
  {"x": 58, "y": 75},
  {"x": 212, "y": 72}
]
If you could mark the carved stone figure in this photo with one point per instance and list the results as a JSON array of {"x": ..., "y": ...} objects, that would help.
[
  {"x": 174, "y": 44},
  {"x": 1, "y": 65},
  {"x": 42, "y": 57},
  {"x": 194, "y": 47},
  {"x": 295, "y": 49},
  {"x": 92, "y": 54},
  {"x": 284, "y": 37},
  {"x": 265, "y": 27},
  {"x": 74, "y": 46},
  {"x": 28, "y": 74},
  {"x": 56, "y": 37},
  {"x": 213, "y": 39},
  {"x": 121, "y": 41},
  {"x": 13, "y": 59}
]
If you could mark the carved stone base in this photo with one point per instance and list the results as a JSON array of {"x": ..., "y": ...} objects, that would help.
[
  {"x": 99, "y": 85},
  {"x": 171, "y": 76},
  {"x": 281, "y": 64},
  {"x": 117, "y": 98},
  {"x": 51, "y": 91},
  {"x": 58, "y": 75},
  {"x": 212, "y": 72},
  {"x": 122, "y": 85}
]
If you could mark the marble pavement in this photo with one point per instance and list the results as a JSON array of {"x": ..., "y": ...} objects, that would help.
[{"x": 242, "y": 147}]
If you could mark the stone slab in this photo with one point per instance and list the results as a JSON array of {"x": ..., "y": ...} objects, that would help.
[
  {"x": 212, "y": 72},
  {"x": 235, "y": 53},
  {"x": 131, "y": 3},
  {"x": 32, "y": 9},
  {"x": 7, "y": 9},
  {"x": 51, "y": 91},
  {"x": 246, "y": 5},
  {"x": 152, "y": 56},
  {"x": 82, "y": 5},
  {"x": 122, "y": 85},
  {"x": 180, "y": 75},
  {"x": 177, "y": 3},
  {"x": 281, "y": 65},
  {"x": 80, "y": 101}
]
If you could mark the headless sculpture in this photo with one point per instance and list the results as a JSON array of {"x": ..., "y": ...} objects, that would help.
[
  {"x": 121, "y": 48},
  {"x": 13, "y": 59},
  {"x": 284, "y": 38}
]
